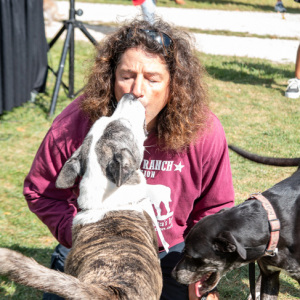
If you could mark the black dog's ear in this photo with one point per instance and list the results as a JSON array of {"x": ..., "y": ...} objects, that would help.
[
  {"x": 70, "y": 171},
  {"x": 121, "y": 167},
  {"x": 226, "y": 242}
]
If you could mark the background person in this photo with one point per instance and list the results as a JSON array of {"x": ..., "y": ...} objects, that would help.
[
  {"x": 180, "y": 2},
  {"x": 148, "y": 8},
  {"x": 186, "y": 154},
  {"x": 293, "y": 88},
  {"x": 279, "y": 7}
]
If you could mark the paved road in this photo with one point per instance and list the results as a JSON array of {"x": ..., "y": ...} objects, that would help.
[{"x": 258, "y": 23}]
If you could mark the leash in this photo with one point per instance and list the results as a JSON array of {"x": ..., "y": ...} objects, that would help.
[
  {"x": 271, "y": 249},
  {"x": 251, "y": 267},
  {"x": 147, "y": 206}
]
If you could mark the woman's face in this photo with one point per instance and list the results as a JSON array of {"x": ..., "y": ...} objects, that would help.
[{"x": 147, "y": 77}]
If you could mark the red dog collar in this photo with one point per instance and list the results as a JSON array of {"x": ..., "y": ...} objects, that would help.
[{"x": 273, "y": 222}]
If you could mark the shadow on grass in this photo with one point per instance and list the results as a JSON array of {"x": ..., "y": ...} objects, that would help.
[
  {"x": 42, "y": 256},
  {"x": 42, "y": 101},
  {"x": 232, "y": 286},
  {"x": 288, "y": 288},
  {"x": 248, "y": 73},
  {"x": 105, "y": 29},
  {"x": 235, "y": 285}
]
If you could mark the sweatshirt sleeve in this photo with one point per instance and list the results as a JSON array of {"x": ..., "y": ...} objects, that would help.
[
  {"x": 217, "y": 188},
  {"x": 54, "y": 207}
]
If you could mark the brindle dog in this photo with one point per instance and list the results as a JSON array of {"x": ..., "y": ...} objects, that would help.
[{"x": 114, "y": 253}]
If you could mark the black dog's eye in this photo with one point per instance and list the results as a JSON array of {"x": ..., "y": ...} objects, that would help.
[{"x": 188, "y": 256}]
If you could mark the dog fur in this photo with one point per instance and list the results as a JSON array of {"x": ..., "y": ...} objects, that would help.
[
  {"x": 114, "y": 253},
  {"x": 237, "y": 236}
]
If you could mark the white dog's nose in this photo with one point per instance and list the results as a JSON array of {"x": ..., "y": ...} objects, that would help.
[{"x": 128, "y": 97}]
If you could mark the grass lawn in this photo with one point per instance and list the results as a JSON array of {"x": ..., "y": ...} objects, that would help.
[{"x": 246, "y": 94}]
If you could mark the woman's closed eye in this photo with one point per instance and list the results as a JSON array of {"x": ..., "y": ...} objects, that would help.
[
  {"x": 127, "y": 76},
  {"x": 153, "y": 79}
]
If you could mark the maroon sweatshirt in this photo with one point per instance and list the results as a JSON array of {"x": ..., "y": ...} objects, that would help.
[{"x": 186, "y": 186}]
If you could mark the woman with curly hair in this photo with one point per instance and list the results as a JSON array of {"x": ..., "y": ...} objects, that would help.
[{"x": 186, "y": 158}]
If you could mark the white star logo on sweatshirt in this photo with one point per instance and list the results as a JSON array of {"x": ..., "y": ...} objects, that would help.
[{"x": 178, "y": 167}]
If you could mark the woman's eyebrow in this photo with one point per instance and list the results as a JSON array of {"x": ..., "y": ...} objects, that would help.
[
  {"x": 148, "y": 73},
  {"x": 126, "y": 71}
]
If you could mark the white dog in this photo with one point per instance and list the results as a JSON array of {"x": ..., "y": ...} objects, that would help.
[
  {"x": 106, "y": 164},
  {"x": 111, "y": 232}
]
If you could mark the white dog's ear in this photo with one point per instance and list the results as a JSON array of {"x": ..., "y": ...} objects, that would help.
[
  {"x": 226, "y": 242},
  {"x": 70, "y": 171},
  {"x": 121, "y": 167}
]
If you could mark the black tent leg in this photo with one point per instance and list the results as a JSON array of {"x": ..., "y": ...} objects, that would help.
[
  {"x": 69, "y": 45},
  {"x": 61, "y": 69}
]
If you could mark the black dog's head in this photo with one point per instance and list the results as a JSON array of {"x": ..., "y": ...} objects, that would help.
[{"x": 210, "y": 251}]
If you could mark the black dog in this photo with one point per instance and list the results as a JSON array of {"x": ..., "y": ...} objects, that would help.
[{"x": 237, "y": 236}]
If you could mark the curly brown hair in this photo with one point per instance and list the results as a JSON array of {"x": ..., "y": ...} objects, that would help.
[{"x": 186, "y": 113}]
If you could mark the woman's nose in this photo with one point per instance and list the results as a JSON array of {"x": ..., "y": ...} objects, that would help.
[{"x": 137, "y": 87}]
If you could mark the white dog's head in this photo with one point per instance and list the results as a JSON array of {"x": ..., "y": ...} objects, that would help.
[{"x": 110, "y": 155}]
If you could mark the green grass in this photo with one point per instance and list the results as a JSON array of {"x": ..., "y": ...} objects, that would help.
[
  {"x": 21, "y": 132},
  {"x": 246, "y": 94}
]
